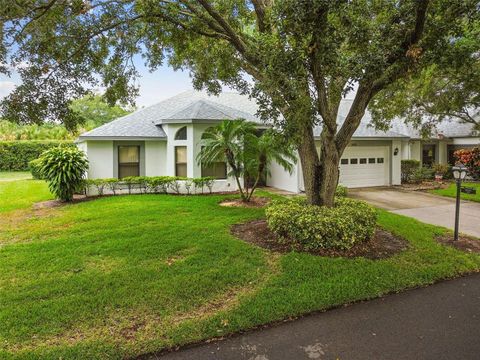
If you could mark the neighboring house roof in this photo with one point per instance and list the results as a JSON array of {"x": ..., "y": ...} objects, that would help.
[
  {"x": 193, "y": 106},
  {"x": 449, "y": 128}
]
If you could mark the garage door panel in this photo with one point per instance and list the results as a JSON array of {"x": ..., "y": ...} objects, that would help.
[{"x": 369, "y": 167}]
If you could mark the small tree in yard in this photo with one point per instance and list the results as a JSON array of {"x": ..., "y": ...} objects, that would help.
[
  {"x": 63, "y": 168},
  {"x": 260, "y": 151},
  {"x": 236, "y": 143}
]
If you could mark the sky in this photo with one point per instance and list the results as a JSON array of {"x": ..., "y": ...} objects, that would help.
[{"x": 154, "y": 87}]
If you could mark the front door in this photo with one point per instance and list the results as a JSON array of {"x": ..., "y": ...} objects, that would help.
[{"x": 428, "y": 154}]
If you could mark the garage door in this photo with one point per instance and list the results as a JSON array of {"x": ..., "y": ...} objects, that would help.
[{"x": 363, "y": 166}]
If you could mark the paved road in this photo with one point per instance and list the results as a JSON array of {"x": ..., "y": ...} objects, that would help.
[
  {"x": 425, "y": 207},
  {"x": 437, "y": 322}
]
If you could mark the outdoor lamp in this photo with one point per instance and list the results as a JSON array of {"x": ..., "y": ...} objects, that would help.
[
  {"x": 395, "y": 152},
  {"x": 459, "y": 173}
]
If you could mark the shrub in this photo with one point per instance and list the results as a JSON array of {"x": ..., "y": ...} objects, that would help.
[
  {"x": 209, "y": 182},
  {"x": 63, "y": 168},
  {"x": 440, "y": 169},
  {"x": 317, "y": 227},
  {"x": 99, "y": 184},
  {"x": 408, "y": 168},
  {"x": 188, "y": 185},
  {"x": 34, "y": 167},
  {"x": 341, "y": 191},
  {"x": 16, "y": 155},
  {"x": 199, "y": 183},
  {"x": 175, "y": 184},
  {"x": 130, "y": 181},
  {"x": 111, "y": 184},
  {"x": 471, "y": 159},
  {"x": 421, "y": 174}
]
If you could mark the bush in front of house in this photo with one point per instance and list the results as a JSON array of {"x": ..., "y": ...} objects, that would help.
[
  {"x": 471, "y": 159},
  {"x": 341, "y": 191},
  {"x": 16, "y": 155},
  {"x": 150, "y": 185},
  {"x": 35, "y": 168},
  {"x": 421, "y": 174},
  {"x": 312, "y": 227},
  {"x": 408, "y": 168},
  {"x": 64, "y": 168}
]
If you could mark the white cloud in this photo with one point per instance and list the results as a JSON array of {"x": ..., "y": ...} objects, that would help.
[{"x": 6, "y": 88}]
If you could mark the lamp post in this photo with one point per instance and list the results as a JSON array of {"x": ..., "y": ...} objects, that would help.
[{"x": 459, "y": 173}]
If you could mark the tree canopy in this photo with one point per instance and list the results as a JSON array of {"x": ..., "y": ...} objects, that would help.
[
  {"x": 449, "y": 88},
  {"x": 302, "y": 57}
]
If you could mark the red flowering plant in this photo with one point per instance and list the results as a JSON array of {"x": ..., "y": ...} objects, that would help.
[{"x": 471, "y": 159}]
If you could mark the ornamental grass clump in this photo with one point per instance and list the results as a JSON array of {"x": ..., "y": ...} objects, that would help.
[
  {"x": 311, "y": 227},
  {"x": 63, "y": 168}
]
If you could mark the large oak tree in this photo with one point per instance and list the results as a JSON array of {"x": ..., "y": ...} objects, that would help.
[{"x": 299, "y": 57}]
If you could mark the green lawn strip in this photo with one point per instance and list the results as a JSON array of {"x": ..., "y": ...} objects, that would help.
[
  {"x": 121, "y": 276},
  {"x": 451, "y": 191},
  {"x": 15, "y": 175},
  {"x": 22, "y": 194}
]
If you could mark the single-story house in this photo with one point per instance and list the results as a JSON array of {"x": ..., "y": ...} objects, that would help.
[{"x": 165, "y": 138}]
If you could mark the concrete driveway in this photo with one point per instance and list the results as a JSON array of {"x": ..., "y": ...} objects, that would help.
[{"x": 425, "y": 207}]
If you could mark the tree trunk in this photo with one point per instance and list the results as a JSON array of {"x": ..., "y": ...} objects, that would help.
[
  {"x": 310, "y": 165},
  {"x": 329, "y": 169}
]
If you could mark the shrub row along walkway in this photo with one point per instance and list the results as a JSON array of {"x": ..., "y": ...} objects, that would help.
[{"x": 438, "y": 322}]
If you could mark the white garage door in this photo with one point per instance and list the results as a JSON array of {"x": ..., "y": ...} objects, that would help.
[{"x": 363, "y": 166}]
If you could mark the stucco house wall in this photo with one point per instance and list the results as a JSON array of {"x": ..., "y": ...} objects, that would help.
[{"x": 375, "y": 155}]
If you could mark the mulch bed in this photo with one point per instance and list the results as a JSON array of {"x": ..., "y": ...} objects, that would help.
[
  {"x": 383, "y": 244},
  {"x": 426, "y": 185},
  {"x": 254, "y": 202},
  {"x": 464, "y": 243},
  {"x": 49, "y": 204}
]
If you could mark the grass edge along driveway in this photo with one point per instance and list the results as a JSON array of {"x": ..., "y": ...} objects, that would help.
[
  {"x": 451, "y": 191},
  {"x": 123, "y": 276}
]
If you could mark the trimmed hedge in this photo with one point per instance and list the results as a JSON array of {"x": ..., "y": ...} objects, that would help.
[
  {"x": 408, "y": 169},
  {"x": 151, "y": 184},
  {"x": 15, "y": 155},
  {"x": 317, "y": 227}
]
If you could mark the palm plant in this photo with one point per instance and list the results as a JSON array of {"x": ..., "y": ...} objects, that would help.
[
  {"x": 259, "y": 153},
  {"x": 236, "y": 142}
]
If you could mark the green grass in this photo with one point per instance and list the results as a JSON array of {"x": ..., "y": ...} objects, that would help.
[
  {"x": 21, "y": 194},
  {"x": 14, "y": 175},
  {"x": 451, "y": 191},
  {"x": 126, "y": 275}
]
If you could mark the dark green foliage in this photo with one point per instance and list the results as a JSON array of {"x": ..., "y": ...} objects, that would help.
[
  {"x": 408, "y": 168},
  {"x": 151, "y": 184},
  {"x": 346, "y": 224},
  {"x": 15, "y": 155},
  {"x": 342, "y": 191},
  {"x": 422, "y": 173},
  {"x": 247, "y": 153},
  {"x": 35, "y": 169},
  {"x": 64, "y": 169},
  {"x": 302, "y": 57}
]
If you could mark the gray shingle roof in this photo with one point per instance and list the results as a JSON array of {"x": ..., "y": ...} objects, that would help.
[
  {"x": 193, "y": 106},
  {"x": 207, "y": 110}
]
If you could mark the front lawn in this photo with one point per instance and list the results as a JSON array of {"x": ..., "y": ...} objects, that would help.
[
  {"x": 15, "y": 175},
  {"x": 17, "y": 193},
  {"x": 451, "y": 191},
  {"x": 122, "y": 276}
]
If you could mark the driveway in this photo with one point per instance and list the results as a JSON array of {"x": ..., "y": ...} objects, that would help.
[
  {"x": 425, "y": 207},
  {"x": 438, "y": 322}
]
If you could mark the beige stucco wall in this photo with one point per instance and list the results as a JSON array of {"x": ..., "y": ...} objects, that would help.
[
  {"x": 100, "y": 157},
  {"x": 155, "y": 158}
]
